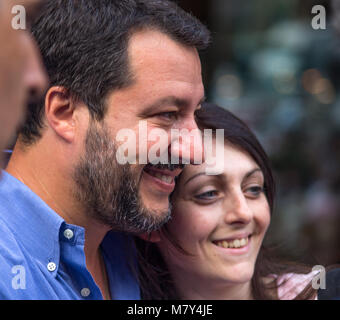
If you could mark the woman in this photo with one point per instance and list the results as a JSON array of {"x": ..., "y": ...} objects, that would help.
[{"x": 212, "y": 248}]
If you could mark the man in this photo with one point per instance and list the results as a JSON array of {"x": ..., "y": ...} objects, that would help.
[
  {"x": 22, "y": 77},
  {"x": 113, "y": 65}
]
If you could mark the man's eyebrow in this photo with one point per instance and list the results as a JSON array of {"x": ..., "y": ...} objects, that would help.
[{"x": 169, "y": 101}]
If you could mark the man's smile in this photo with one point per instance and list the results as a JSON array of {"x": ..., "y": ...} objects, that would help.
[{"x": 164, "y": 179}]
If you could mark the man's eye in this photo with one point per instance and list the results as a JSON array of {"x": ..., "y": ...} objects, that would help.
[
  {"x": 209, "y": 195},
  {"x": 168, "y": 115}
]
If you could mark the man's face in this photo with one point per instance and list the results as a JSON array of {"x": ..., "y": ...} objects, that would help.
[
  {"x": 21, "y": 71},
  {"x": 166, "y": 92}
]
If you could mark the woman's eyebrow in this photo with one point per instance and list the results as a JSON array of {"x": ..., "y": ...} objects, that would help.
[
  {"x": 250, "y": 173},
  {"x": 195, "y": 176},
  {"x": 203, "y": 173}
]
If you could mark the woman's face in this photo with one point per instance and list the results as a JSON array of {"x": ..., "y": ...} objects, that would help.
[{"x": 220, "y": 220}]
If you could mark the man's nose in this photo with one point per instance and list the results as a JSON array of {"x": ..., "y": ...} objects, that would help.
[
  {"x": 35, "y": 76},
  {"x": 187, "y": 143}
]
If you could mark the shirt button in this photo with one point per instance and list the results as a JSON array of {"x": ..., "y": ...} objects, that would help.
[
  {"x": 85, "y": 292},
  {"x": 68, "y": 234},
  {"x": 51, "y": 266}
]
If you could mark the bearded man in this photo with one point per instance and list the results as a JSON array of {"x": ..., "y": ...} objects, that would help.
[{"x": 66, "y": 202}]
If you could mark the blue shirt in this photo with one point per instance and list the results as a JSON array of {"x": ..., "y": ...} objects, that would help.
[{"x": 42, "y": 257}]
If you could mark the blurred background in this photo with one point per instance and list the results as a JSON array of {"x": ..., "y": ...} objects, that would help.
[{"x": 271, "y": 68}]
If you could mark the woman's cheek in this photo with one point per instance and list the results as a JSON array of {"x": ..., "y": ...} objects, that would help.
[
  {"x": 261, "y": 212},
  {"x": 194, "y": 221}
]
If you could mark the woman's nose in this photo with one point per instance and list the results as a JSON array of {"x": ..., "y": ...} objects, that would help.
[{"x": 237, "y": 209}]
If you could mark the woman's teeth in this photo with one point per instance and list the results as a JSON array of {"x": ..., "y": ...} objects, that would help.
[{"x": 237, "y": 243}]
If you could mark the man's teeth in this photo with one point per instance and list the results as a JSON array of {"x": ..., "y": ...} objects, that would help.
[
  {"x": 237, "y": 243},
  {"x": 166, "y": 179}
]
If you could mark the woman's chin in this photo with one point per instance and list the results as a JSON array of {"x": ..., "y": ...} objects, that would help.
[{"x": 237, "y": 275}]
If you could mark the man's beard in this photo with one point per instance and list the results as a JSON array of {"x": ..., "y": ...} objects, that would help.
[{"x": 108, "y": 191}]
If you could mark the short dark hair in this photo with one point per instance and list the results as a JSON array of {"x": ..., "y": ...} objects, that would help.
[{"x": 84, "y": 47}]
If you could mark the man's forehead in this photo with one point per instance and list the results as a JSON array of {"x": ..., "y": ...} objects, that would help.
[{"x": 153, "y": 49}]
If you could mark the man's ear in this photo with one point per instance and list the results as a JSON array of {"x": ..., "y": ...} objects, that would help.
[
  {"x": 59, "y": 112},
  {"x": 154, "y": 236}
]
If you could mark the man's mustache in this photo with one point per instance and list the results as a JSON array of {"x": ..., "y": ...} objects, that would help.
[{"x": 168, "y": 166}]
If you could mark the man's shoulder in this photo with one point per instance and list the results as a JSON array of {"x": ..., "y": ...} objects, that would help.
[
  {"x": 120, "y": 253},
  {"x": 13, "y": 263},
  {"x": 11, "y": 250},
  {"x": 332, "y": 290}
]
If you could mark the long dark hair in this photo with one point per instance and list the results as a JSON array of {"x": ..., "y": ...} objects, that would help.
[{"x": 156, "y": 281}]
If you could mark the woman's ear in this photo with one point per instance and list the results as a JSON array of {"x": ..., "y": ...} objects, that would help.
[
  {"x": 59, "y": 111},
  {"x": 153, "y": 236}
]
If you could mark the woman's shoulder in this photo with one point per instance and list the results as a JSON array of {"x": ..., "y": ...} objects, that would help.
[{"x": 290, "y": 285}]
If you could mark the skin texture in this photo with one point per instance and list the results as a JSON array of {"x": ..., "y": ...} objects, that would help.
[
  {"x": 210, "y": 208},
  {"x": 21, "y": 71},
  {"x": 162, "y": 68}
]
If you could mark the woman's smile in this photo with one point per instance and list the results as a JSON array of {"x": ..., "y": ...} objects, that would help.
[{"x": 219, "y": 221}]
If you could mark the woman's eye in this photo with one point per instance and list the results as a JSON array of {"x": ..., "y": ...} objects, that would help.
[
  {"x": 255, "y": 191},
  {"x": 209, "y": 195}
]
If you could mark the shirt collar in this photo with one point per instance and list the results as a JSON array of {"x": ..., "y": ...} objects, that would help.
[{"x": 34, "y": 223}]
